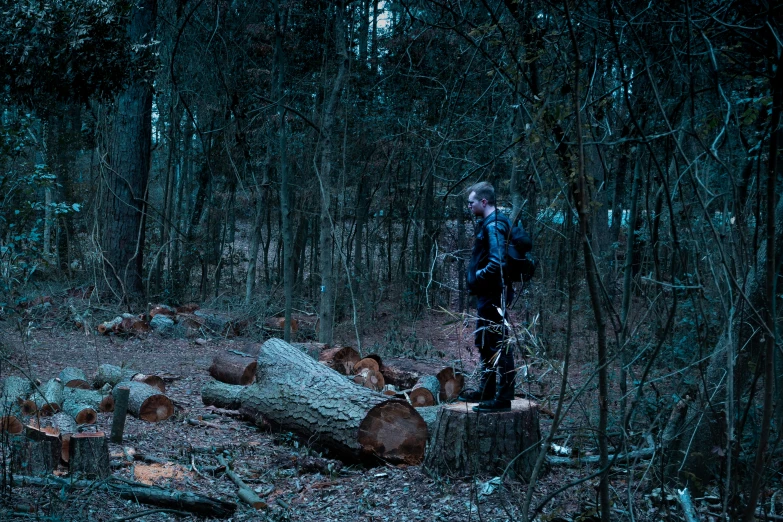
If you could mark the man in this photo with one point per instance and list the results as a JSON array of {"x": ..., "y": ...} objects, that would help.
[{"x": 493, "y": 292}]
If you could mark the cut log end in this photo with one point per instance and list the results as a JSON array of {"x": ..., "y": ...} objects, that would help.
[
  {"x": 28, "y": 407},
  {"x": 394, "y": 432},
  {"x": 78, "y": 383},
  {"x": 367, "y": 362},
  {"x": 156, "y": 408},
  {"x": 86, "y": 416},
  {"x": 49, "y": 409},
  {"x": 451, "y": 384},
  {"x": 421, "y": 397},
  {"x": 107, "y": 404},
  {"x": 341, "y": 359}
]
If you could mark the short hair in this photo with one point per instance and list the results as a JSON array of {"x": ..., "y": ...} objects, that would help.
[{"x": 484, "y": 190}]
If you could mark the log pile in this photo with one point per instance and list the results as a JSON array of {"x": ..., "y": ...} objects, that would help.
[
  {"x": 295, "y": 393},
  {"x": 190, "y": 321},
  {"x": 44, "y": 421}
]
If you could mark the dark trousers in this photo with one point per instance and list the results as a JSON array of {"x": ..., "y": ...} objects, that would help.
[{"x": 496, "y": 354}]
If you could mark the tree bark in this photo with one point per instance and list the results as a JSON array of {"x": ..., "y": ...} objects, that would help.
[
  {"x": 74, "y": 378},
  {"x": 222, "y": 395},
  {"x": 49, "y": 401},
  {"x": 425, "y": 392},
  {"x": 89, "y": 455},
  {"x": 127, "y": 169},
  {"x": 298, "y": 394}
]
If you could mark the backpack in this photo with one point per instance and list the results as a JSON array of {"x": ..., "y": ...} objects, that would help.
[{"x": 521, "y": 264}]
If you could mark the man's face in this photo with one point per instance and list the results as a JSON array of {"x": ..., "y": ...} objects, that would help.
[{"x": 475, "y": 205}]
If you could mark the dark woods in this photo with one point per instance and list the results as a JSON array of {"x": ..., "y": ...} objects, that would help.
[{"x": 310, "y": 155}]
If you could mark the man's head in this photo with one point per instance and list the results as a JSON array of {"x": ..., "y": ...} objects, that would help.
[{"x": 481, "y": 199}]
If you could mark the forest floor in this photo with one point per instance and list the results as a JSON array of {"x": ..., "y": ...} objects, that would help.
[{"x": 281, "y": 465}]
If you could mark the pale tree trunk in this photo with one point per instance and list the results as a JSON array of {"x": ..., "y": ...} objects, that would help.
[
  {"x": 285, "y": 186},
  {"x": 126, "y": 171},
  {"x": 326, "y": 240}
]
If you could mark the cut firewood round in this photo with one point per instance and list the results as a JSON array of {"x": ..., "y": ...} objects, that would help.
[
  {"x": 367, "y": 362},
  {"x": 50, "y": 400},
  {"x": 222, "y": 395},
  {"x": 298, "y": 394},
  {"x": 464, "y": 443},
  {"x": 278, "y": 323},
  {"x": 232, "y": 368},
  {"x": 451, "y": 383},
  {"x": 370, "y": 378},
  {"x": 98, "y": 400},
  {"x": 74, "y": 378},
  {"x": 82, "y": 413},
  {"x": 152, "y": 380},
  {"x": 341, "y": 359},
  {"x": 147, "y": 403},
  {"x": 390, "y": 390},
  {"x": 425, "y": 392}
]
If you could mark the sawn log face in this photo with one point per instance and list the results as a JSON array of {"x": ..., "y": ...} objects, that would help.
[{"x": 296, "y": 393}]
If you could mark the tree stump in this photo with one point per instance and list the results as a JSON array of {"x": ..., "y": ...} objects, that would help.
[
  {"x": 232, "y": 368},
  {"x": 425, "y": 392},
  {"x": 89, "y": 455},
  {"x": 36, "y": 452},
  {"x": 465, "y": 443}
]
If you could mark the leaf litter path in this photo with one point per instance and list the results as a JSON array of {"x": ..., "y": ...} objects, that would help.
[{"x": 181, "y": 455}]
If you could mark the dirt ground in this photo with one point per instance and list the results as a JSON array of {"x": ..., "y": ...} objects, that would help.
[{"x": 295, "y": 483}]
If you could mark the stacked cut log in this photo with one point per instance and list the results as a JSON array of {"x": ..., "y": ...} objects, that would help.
[
  {"x": 113, "y": 375},
  {"x": 15, "y": 393},
  {"x": 341, "y": 359},
  {"x": 425, "y": 392},
  {"x": 146, "y": 402},
  {"x": 296, "y": 393},
  {"x": 74, "y": 378},
  {"x": 125, "y": 324},
  {"x": 451, "y": 383},
  {"x": 49, "y": 399},
  {"x": 233, "y": 368},
  {"x": 278, "y": 323}
]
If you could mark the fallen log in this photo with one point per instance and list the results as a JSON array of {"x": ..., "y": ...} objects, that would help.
[
  {"x": 74, "y": 378},
  {"x": 82, "y": 413},
  {"x": 425, "y": 392},
  {"x": 113, "y": 375},
  {"x": 89, "y": 455},
  {"x": 162, "y": 309},
  {"x": 125, "y": 324},
  {"x": 98, "y": 400},
  {"x": 180, "y": 500},
  {"x": 370, "y": 378},
  {"x": 451, "y": 384},
  {"x": 278, "y": 323},
  {"x": 146, "y": 402},
  {"x": 222, "y": 395},
  {"x": 300, "y": 395},
  {"x": 312, "y": 349},
  {"x": 215, "y": 322},
  {"x": 231, "y": 368},
  {"x": 341, "y": 359},
  {"x": 50, "y": 399},
  {"x": 404, "y": 379}
]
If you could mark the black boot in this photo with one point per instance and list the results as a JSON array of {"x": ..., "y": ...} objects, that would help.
[{"x": 486, "y": 389}]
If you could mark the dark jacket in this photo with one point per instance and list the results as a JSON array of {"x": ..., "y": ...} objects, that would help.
[{"x": 488, "y": 257}]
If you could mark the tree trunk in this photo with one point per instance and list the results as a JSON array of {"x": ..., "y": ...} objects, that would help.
[
  {"x": 127, "y": 170},
  {"x": 465, "y": 443},
  {"x": 326, "y": 242},
  {"x": 301, "y": 395}
]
